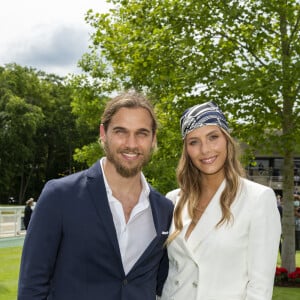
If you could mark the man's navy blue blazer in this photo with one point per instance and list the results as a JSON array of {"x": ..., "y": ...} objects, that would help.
[{"x": 71, "y": 250}]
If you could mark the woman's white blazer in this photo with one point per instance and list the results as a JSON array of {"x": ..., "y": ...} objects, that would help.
[{"x": 236, "y": 261}]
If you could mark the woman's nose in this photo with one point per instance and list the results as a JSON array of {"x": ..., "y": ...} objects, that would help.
[{"x": 204, "y": 147}]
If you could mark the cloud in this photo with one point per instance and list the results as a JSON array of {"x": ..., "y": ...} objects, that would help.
[
  {"x": 58, "y": 48},
  {"x": 47, "y": 35}
]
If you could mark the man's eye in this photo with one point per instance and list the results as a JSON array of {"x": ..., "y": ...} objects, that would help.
[
  {"x": 143, "y": 133},
  {"x": 119, "y": 131}
]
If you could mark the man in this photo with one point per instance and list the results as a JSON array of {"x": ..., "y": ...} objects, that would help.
[
  {"x": 100, "y": 233},
  {"x": 28, "y": 212}
]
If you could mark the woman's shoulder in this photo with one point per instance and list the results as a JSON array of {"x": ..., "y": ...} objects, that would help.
[
  {"x": 254, "y": 185},
  {"x": 256, "y": 190},
  {"x": 173, "y": 195}
]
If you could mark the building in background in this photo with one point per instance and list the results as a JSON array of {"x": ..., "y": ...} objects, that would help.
[{"x": 268, "y": 170}]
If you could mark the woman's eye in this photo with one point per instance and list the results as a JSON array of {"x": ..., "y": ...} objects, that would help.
[
  {"x": 192, "y": 143},
  {"x": 213, "y": 137}
]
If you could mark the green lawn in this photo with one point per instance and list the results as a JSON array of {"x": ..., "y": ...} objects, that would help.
[
  {"x": 9, "y": 272},
  {"x": 283, "y": 293}
]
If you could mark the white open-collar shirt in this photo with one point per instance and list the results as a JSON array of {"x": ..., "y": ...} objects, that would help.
[{"x": 135, "y": 235}]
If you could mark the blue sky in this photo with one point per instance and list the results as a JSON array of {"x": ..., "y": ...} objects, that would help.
[{"x": 49, "y": 35}]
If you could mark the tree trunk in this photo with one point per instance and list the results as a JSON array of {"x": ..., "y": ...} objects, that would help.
[
  {"x": 288, "y": 224},
  {"x": 288, "y": 129}
]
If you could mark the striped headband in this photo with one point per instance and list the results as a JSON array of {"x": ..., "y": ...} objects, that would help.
[{"x": 200, "y": 115}]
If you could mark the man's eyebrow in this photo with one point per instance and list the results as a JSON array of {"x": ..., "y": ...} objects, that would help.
[
  {"x": 144, "y": 130},
  {"x": 125, "y": 129},
  {"x": 118, "y": 128}
]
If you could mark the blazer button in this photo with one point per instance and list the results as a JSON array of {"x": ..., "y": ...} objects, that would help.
[
  {"x": 195, "y": 284},
  {"x": 125, "y": 282}
]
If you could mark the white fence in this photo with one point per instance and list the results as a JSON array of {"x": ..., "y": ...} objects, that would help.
[{"x": 11, "y": 221}]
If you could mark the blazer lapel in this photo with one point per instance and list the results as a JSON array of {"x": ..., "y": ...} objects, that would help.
[
  {"x": 97, "y": 191},
  {"x": 208, "y": 221}
]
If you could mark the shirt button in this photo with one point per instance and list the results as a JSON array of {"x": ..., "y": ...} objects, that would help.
[
  {"x": 176, "y": 282},
  {"x": 195, "y": 284}
]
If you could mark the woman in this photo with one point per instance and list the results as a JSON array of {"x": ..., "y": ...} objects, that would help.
[{"x": 223, "y": 242}]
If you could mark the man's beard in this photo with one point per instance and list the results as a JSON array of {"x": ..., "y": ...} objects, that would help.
[{"x": 124, "y": 171}]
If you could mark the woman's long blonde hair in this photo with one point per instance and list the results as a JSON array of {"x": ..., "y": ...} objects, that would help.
[{"x": 189, "y": 180}]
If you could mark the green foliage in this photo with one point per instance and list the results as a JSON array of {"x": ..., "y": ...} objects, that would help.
[
  {"x": 161, "y": 171},
  {"x": 88, "y": 101},
  {"x": 38, "y": 133},
  {"x": 88, "y": 153}
]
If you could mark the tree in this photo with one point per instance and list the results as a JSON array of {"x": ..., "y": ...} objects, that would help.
[
  {"x": 21, "y": 121},
  {"x": 38, "y": 134},
  {"x": 244, "y": 55},
  {"x": 88, "y": 101}
]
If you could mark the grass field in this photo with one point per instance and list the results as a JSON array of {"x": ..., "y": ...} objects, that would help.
[{"x": 9, "y": 272}]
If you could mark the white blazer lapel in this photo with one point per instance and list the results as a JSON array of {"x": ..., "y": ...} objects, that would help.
[{"x": 208, "y": 220}]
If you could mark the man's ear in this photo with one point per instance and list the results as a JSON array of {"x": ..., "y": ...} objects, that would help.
[
  {"x": 154, "y": 143},
  {"x": 102, "y": 133}
]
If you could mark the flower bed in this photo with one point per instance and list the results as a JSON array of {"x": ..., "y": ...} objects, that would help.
[{"x": 285, "y": 279}]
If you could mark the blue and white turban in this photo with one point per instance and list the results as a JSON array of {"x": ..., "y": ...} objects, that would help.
[{"x": 201, "y": 115}]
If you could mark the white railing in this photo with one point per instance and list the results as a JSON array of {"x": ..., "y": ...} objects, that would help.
[{"x": 11, "y": 221}]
